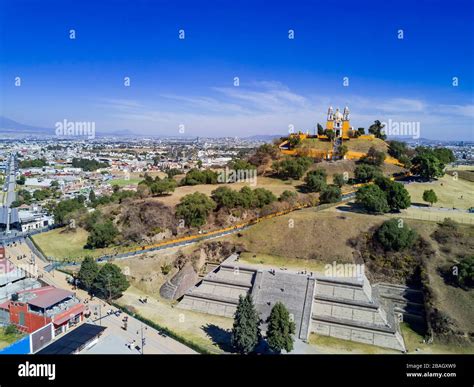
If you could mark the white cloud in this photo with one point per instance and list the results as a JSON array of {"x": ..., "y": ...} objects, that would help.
[{"x": 268, "y": 107}]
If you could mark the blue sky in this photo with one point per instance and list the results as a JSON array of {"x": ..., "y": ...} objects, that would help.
[{"x": 283, "y": 82}]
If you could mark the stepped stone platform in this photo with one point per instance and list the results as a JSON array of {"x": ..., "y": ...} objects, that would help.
[{"x": 346, "y": 308}]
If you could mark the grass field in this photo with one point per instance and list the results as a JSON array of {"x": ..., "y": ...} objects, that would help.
[
  {"x": 354, "y": 144},
  {"x": 277, "y": 186},
  {"x": 363, "y": 145},
  {"x": 314, "y": 143},
  {"x": 62, "y": 245},
  {"x": 124, "y": 182},
  {"x": 458, "y": 193},
  {"x": 134, "y": 177},
  {"x": 320, "y": 237}
]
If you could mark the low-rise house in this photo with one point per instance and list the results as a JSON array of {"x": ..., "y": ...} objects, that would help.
[{"x": 32, "y": 309}]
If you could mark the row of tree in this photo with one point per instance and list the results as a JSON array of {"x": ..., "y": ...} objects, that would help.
[
  {"x": 107, "y": 282},
  {"x": 246, "y": 334},
  {"x": 383, "y": 196}
]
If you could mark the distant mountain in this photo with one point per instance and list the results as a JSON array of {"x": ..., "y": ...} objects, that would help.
[
  {"x": 16, "y": 129},
  {"x": 11, "y": 127}
]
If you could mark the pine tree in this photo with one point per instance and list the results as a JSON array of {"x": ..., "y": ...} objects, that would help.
[
  {"x": 280, "y": 329},
  {"x": 246, "y": 330}
]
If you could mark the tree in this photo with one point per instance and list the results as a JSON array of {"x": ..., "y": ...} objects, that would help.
[
  {"x": 21, "y": 180},
  {"x": 263, "y": 197},
  {"x": 395, "y": 235},
  {"x": 343, "y": 150},
  {"x": 427, "y": 165},
  {"x": 338, "y": 179},
  {"x": 373, "y": 199},
  {"x": 66, "y": 207},
  {"x": 292, "y": 167},
  {"x": 225, "y": 197},
  {"x": 320, "y": 129},
  {"x": 361, "y": 131},
  {"x": 430, "y": 196},
  {"x": 288, "y": 196},
  {"x": 194, "y": 209},
  {"x": 88, "y": 165},
  {"x": 330, "y": 134},
  {"x": 397, "y": 196},
  {"x": 294, "y": 141},
  {"x": 444, "y": 155},
  {"x": 466, "y": 272},
  {"x": 246, "y": 330},
  {"x": 330, "y": 194},
  {"x": 88, "y": 273},
  {"x": 102, "y": 235},
  {"x": 92, "y": 196},
  {"x": 241, "y": 165},
  {"x": 316, "y": 180},
  {"x": 196, "y": 176},
  {"x": 373, "y": 157},
  {"x": 280, "y": 329},
  {"x": 397, "y": 149},
  {"x": 110, "y": 282},
  {"x": 365, "y": 173},
  {"x": 376, "y": 130},
  {"x": 163, "y": 187}
]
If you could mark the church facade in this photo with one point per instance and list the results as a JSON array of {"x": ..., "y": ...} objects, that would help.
[{"x": 339, "y": 122}]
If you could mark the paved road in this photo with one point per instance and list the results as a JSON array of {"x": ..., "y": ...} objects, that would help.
[
  {"x": 155, "y": 342},
  {"x": 9, "y": 196}
]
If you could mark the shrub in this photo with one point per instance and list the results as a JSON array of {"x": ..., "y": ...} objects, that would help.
[{"x": 395, "y": 235}]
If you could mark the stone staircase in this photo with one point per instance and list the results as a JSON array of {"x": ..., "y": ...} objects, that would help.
[{"x": 350, "y": 309}]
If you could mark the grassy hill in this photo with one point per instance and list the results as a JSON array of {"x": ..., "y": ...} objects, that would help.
[{"x": 354, "y": 144}]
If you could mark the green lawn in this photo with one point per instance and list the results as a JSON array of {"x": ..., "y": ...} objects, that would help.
[
  {"x": 124, "y": 182},
  {"x": 7, "y": 339},
  {"x": 64, "y": 245},
  {"x": 451, "y": 192}
]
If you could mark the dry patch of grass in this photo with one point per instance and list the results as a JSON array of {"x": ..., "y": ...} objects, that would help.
[
  {"x": 145, "y": 271},
  {"x": 414, "y": 344},
  {"x": 189, "y": 324},
  {"x": 274, "y": 185},
  {"x": 319, "y": 236},
  {"x": 333, "y": 345},
  {"x": 265, "y": 261},
  {"x": 363, "y": 145}
]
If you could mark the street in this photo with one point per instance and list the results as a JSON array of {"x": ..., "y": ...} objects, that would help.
[{"x": 21, "y": 255}]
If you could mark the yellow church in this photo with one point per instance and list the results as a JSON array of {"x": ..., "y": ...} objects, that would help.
[{"x": 339, "y": 123}]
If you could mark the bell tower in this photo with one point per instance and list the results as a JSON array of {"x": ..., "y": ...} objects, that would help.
[
  {"x": 330, "y": 120},
  {"x": 346, "y": 127}
]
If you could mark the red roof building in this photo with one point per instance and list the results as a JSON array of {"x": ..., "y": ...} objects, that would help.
[{"x": 32, "y": 309}]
